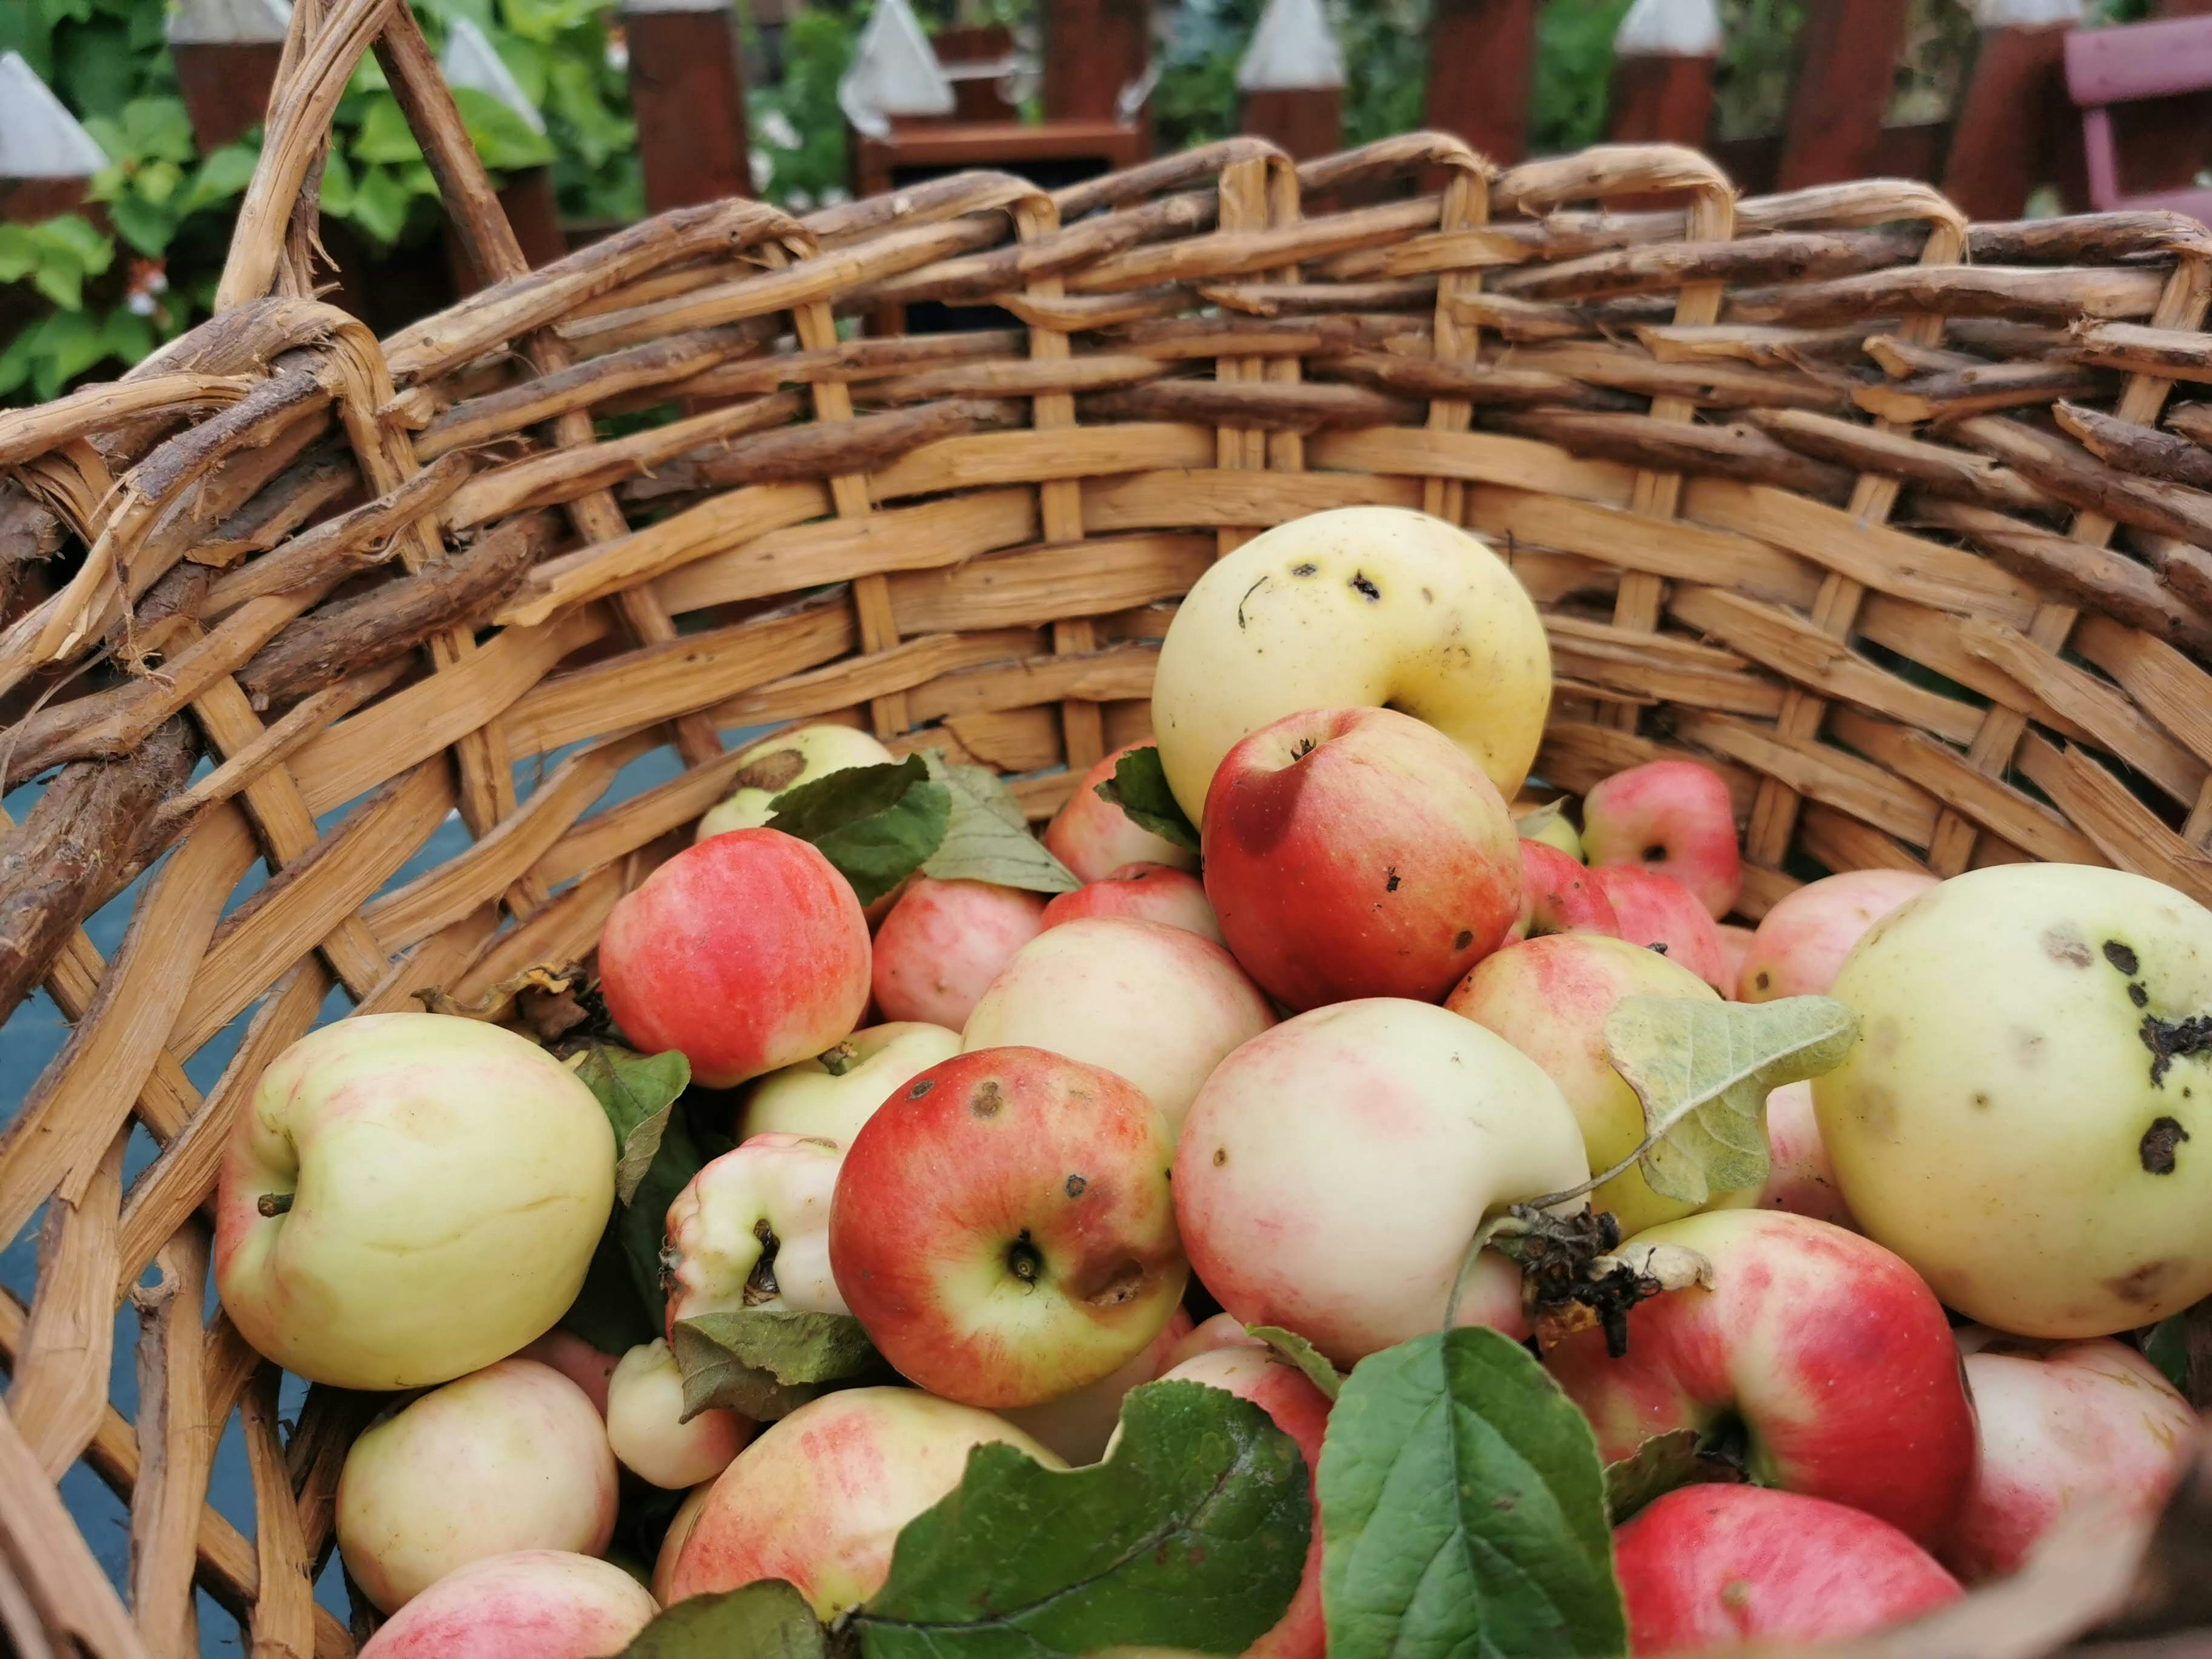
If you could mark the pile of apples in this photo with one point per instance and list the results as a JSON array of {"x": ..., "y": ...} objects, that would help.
[{"x": 1046, "y": 1151}]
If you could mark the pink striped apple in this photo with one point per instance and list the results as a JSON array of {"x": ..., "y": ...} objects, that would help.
[
  {"x": 1802, "y": 941},
  {"x": 1140, "y": 892},
  {"x": 944, "y": 942},
  {"x": 1674, "y": 816},
  {"x": 1094, "y": 838},
  {"x": 529, "y": 1604},
  {"x": 1652, "y": 908}
]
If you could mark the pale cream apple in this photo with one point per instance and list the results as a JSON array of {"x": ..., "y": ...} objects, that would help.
[
  {"x": 1799, "y": 1177},
  {"x": 752, "y": 1230},
  {"x": 943, "y": 941},
  {"x": 1094, "y": 837},
  {"x": 530, "y": 1604},
  {"x": 1801, "y": 944},
  {"x": 1363, "y": 606},
  {"x": 648, "y": 1432},
  {"x": 830, "y": 1097},
  {"x": 671, "y": 1541},
  {"x": 1078, "y": 1426},
  {"x": 576, "y": 1359},
  {"x": 1222, "y": 1330},
  {"x": 408, "y": 1197},
  {"x": 797, "y": 754}
]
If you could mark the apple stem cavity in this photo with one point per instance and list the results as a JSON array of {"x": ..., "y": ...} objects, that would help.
[
  {"x": 759, "y": 1284},
  {"x": 272, "y": 1204},
  {"x": 1025, "y": 1261}
]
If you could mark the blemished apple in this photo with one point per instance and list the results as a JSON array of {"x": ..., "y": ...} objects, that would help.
[
  {"x": 1076, "y": 1426},
  {"x": 1799, "y": 1177},
  {"x": 1356, "y": 853},
  {"x": 1003, "y": 1229},
  {"x": 944, "y": 942},
  {"x": 1652, "y": 908},
  {"x": 1674, "y": 816},
  {"x": 1333, "y": 1172},
  {"x": 645, "y": 1426},
  {"x": 748, "y": 951},
  {"x": 529, "y": 1604},
  {"x": 1707, "y": 1567},
  {"x": 510, "y": 1457},
  {"x": 2061, "y": 1423},
  {"x": 1094, "y": 838},
  {"x": 832, "y": 1094},
  {"x": 1735, "y": 948},
  {"x": 1550, "y": 999},
  {"x": 671, "y": 1541},
  {"x": 1158, "y": 1005},
  {"x": 752, "y": 1230},
  {"x": 1801, "y": 942},
  {"x": 1140, "y": 892},
  {"x": 2026, "y": 1117},
  {"x": 1361, "y": 607},
  {"x": 407, "y": 1198},
  {"x": 798, "y": 755},
  {"x": 1823, "y": 1351},
  {"x": 1559, "y": 896},
  {"x": 576, "y": 1359},
  {"x": 819, "y": 1500}
]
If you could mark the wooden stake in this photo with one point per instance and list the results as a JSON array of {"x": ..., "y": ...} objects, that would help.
[{"x": 686, "y": 88}]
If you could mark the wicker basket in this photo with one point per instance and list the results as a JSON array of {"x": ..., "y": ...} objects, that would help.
[{"x": 1821, "y": 487}]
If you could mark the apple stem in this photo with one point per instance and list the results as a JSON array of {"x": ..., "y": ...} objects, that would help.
[{"x": 273, "y": 1203}]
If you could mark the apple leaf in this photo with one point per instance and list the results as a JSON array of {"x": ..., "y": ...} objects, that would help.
[
  {"x": 987, "y": 836},
  {"x": 2168, "y": 1348},
  {"x": 1140, "y": 787},
  {"x": 1704, "y": 1070},
  {"x": 1295, "y": 1349},
  {"x": 765, "y": 1619},
  {"x": 1192, "y": 1535},
  {"x": 878, "y": 825},
  {"x": 608, "y": 1313},
  {"x": 1462, "y": 1508},
  {"x": 766, "y": 1363},
  {"x": 1652, "y": 1470},
  {"x": 622, "y": 1303},
  {"x": 637, "y": 1092}
]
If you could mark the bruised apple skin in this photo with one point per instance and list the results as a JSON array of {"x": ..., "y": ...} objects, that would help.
[
  {"x": 752, "y": 1230},
  {"x": 828, "y": 1096},
  {"x": 2024, "y": 1117},
  {"x": 1094, "y": 837},
  {"x": 944, "y": 942},
  {"x": 1140, "y": 892},
  {"x": 1801, "y": 944},
  {"x": 1674, "y": 816},
  {"x": 784, "y": 762},
  {"x": 529, "y": 1604},
  {"x": 1361, "y": 607}
]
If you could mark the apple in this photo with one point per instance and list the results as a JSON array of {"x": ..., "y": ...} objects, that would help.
[
  {"x": 1333, "y": 1171},
  {"x": 576, "y": 1359},
  {"x": 1674, "y": 816},
  {"x": 1559, "y": 896},
  {"x": 1550, "y": 998},
  {"x": 819, "y": 1499},
  {"x": 1094, "y": 838},
  {"x": 1653, "y": 909},
  {"x": 2026, "y": 1117},
  {"x": 1357, "y": 853},
  {"x": 1140, "y": 892},
  {"x": 1824, "y": 1351},
  {"x": 1799, "y": 1177},
  {"x": 831, "y": 1095},
  {"x": 747, "y": 952},
  {"x": 943, "y": 941},
  {"x": 1158, "y": 1005},
  {"x": 1223, "y": 1330},
  {"x": 796, "y": 755},
  {"x": 647, "y": 1429},
  {"x": 2060, "y": 1423},
  {"x": 510, "y": 1457},
  {"x": 671, "y": 1541},
  {"x": 409, "y": 1197},
  {"x": 1736, "y": 949},
  {"x": 1550, "y": 824},
  {"x": 752, "y": 1230},
  {"x": 1363, "y": 606},
  {"x": 1003, "y": 1228},
  {"x": 1705, "y": 1567},
  {"x": 1802, "y": 941},
  {"x": 528, "y": 1604},
  {"x": 1077, "y": 1426}
]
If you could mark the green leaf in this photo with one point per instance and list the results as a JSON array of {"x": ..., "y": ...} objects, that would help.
[
  {"x": 1462, "y": 1508},
  {"x": 637, "y": 1091},
  {"x": 1652, "y": 1470},
  {"x": 158, "y": 129},
  {"x": 384, "y": 135},
  {"x": 157, "y": 181},
  {"x": 129, "y": 336},
  {"x": 19, "y": 254},
  {"x": 610, "y": 1312},
  {"x": 1139, "y": 788},
  {"x": 765, "y": 1619},
  {"x": 2168, "y": 1348},
  {"x": 1704, "y": 1070},
  {"x": 1297, "y": 1351},
  {"x": 766, "y": 1363},
  {"x": 69, "y": 234},
  {"x": 62, "y": 347},
  {"x": 380, "y": 203},
  {"x": 987, "y": 837},
  {"x": 1192, "y": 1535},
  {"x": 337, "y": 197},
  {"x": 143, "y": 224},
  {"x": 503, "y": 139},
  {"x": 878, "y": 825},
  {"x": 227, "y": 172}
]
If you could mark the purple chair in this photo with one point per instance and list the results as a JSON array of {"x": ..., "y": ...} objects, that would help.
[{"x": 2124, "y": 65}]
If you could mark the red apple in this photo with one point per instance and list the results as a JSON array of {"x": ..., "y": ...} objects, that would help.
[
  {"x": 1094, "y": 838},
  {"x": 1654, "y": 909},
  {"x": 1826, "y": 1352},
  {"x": 1799, "y": 1177},
  {"x": 1357, "y": 853},
  {"x": 1711, "y": 1566},
  {"x": 1735, "y": 946},
  {"x": 944, "y": 942},
  {"x": 1003, "y": 1228},
  {"x": 1140, "y": 892},
  {"x": 747, "y": 952},
  {"x": 530, "y": 1604},
  {"x": 1804, "y": 939},
  {"x": 1675, "y": 816},
  {"x": 1559, "y": 896}
]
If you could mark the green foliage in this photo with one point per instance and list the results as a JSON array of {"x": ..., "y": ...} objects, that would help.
[
  {"x": 1568, "y": 94},
  {"x": 766, "y": 1363},
  {"x": 1140, "y": 787},
  {"x": 798, "y": 127}
]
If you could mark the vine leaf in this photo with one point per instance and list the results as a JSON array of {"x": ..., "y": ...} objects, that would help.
[
  {"x": 987, "y": 837},
  {"x": 878, "y": 825},
  {"x": 766, "y": 1363},
  {"x": 1140, "y": 787},
  {"x": 637, "y": 1092}
]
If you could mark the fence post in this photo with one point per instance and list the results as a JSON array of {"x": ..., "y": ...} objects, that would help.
[
  {"x": 2016, "y": 122},
  {"x": 1290, "y": 83},
  {"x": 1846, "y": 58},
  {"x": 1093, "y": 50},
  {"x": 1482, "y": 55},
  {"x": 687, "y": 88},
  {"x": 1662, "y": 72},
  {"x": 46, "y": 157},
  {"x": 226, "y": 52},
  {"x": 471, "y": 61}
]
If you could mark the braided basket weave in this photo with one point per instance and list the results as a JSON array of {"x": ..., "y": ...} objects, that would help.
[{"x": 1867, "y": 507}]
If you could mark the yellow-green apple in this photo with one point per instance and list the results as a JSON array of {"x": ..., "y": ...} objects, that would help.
[
  {"x": 1550, "y": 998},
  {"x": 648, "y": 1432},
  {"x": 797, "y": 754},
  {"x": 1550, "y": 824},
  {"x": 2061, "y": 1423},
  {"x": 831, "y": 1095},
  {"x": 1652, "y": 908},
  {"x": 1736, "y": 946},
  {"x": 1003, "y": 1228},
  {"x": 943, "y": 941},
  {"x": 1076, "y": 1426},
  {"x": 747, "y": 952},
  {"x": 576, "y": 1359},
  {"x": 2026, "y": 1117},
  {"x": 1363, "y": 606},
  {"x": 510, "y": 1457},
  {"x": 752, "y": 1230},
  {"x": 671, "y": 1541},
  {"x": 1094, "y": 837},
  {"x": 1335, "y": 1168},
  {"x": 1821, "y": 1350},
  {"x": 1158, "y": 1005},
  {"x": 529, "y": 1604},
  {"x": 1357, "y": 853},
  {"x": 408, "y": 1197},
  {"x": 819, "y": 1499},
  {"x": 1801, "y": 942},
  {"x": 1559, "y": 896},
  {"x": 1140, "y": 892},
  {"x": 1799, "y": 1177},
  {"x": 1708, "y": 1567},
  {"x": 1675, "y": 816}
]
